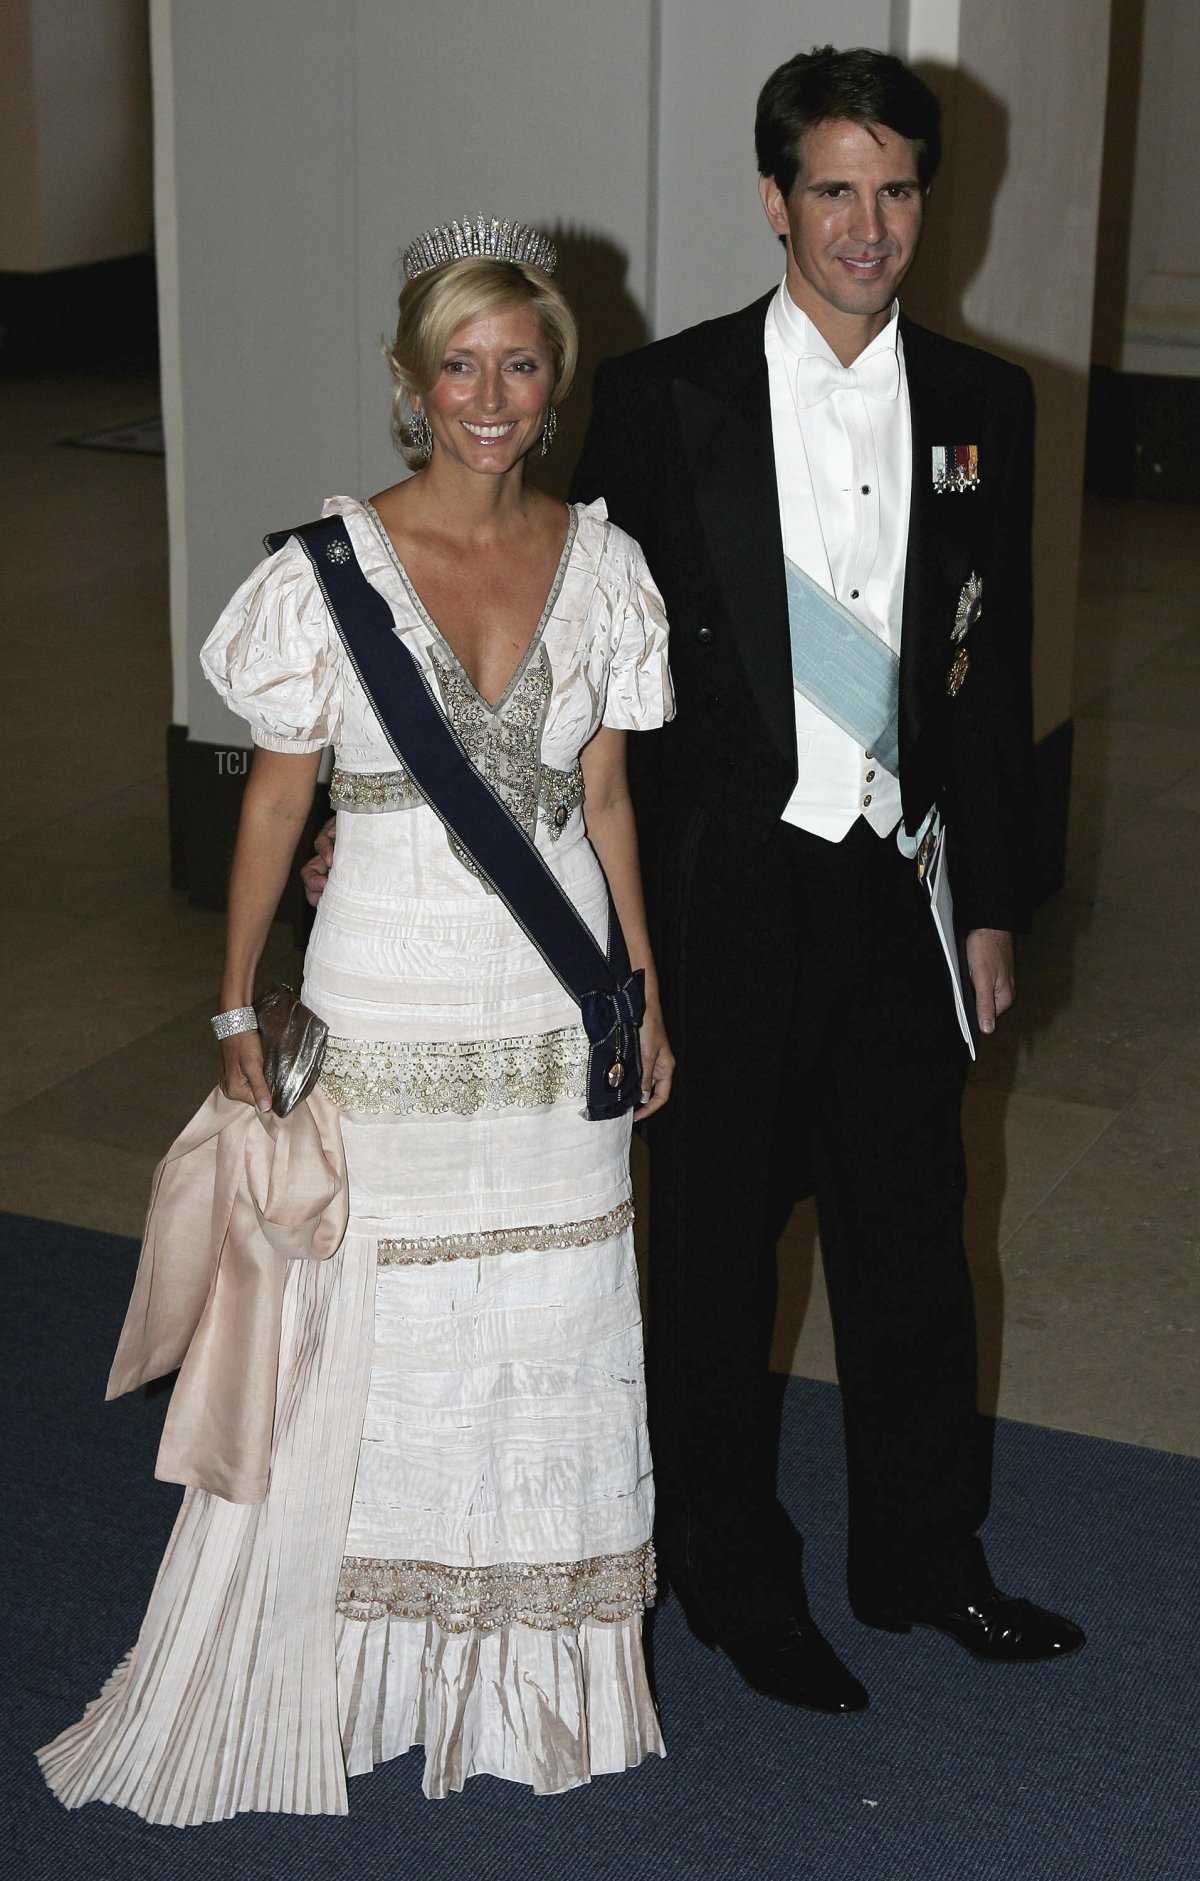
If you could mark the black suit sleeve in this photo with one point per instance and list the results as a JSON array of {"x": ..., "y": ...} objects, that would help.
[{"x": 992, "y": 719}]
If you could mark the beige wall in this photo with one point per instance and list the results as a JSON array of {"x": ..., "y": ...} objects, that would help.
[{"x": 74, "y": 133}]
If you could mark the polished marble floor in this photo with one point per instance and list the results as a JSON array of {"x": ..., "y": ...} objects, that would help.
[{"x": 1083, "y": 1115}]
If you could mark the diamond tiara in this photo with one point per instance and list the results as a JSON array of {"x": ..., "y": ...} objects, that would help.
[{"x": 486, "y": 235}]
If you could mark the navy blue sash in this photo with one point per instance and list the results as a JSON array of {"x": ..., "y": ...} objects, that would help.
[{"x": 611, "y": 999}]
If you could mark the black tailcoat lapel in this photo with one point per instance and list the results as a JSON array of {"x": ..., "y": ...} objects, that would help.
[{"x": 724, "y": 412}]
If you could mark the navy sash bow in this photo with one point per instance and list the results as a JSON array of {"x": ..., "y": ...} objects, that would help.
[
  {"x": 611, "y": 1020},
  {"x": 611, "y": 999}
]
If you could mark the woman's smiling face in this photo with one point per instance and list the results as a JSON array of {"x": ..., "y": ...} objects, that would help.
[{"x": 489, "y": 401}]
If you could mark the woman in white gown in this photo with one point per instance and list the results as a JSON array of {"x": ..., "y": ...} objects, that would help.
[{"x": 455, "y": 1548}]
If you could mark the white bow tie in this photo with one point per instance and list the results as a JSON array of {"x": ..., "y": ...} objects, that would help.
[{"x": 877, "y": 377}]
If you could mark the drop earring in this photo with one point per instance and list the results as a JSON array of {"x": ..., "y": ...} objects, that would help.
[
  {"x": 549, "y": 429},
  {"x": 421, "y": 433}
]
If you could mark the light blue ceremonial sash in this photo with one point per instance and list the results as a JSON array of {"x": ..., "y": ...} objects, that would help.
[
  {"x": 844, "y": 669},
  {"x": 848, "y": 673}
]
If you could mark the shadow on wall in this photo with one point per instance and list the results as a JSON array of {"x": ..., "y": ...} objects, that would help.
[
  {"x": 592, "y": 272},
  {"x": 1122, "y": 112},
  {"x": 975, "y": 153},
  {"x": 956, "y": 243}
]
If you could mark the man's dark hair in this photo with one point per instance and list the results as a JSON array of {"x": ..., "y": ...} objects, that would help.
[{"x": 862, "y": 85}]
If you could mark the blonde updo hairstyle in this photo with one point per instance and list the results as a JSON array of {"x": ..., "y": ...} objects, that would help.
[{"x": 437, "y": 304}]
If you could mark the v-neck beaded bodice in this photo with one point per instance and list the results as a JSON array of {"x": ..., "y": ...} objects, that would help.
[{"x": 451, "y": 657}]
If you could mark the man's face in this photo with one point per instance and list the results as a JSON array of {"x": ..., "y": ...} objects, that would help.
[{"x": 852, "y": 221}]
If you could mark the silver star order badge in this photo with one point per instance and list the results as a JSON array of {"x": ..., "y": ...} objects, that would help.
[{"x": 970, "y": 607}]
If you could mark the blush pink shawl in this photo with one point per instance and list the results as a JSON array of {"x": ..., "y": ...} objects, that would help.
[{"x": 239, "y": 1194}]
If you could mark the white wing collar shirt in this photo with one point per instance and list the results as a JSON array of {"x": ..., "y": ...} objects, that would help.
[{"x": 843, "y": 468}]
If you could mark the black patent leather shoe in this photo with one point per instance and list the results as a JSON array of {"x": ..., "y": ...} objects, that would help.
[
  {"x": 793, "y": 1662},
  {"x": 995, "y": 1626}
]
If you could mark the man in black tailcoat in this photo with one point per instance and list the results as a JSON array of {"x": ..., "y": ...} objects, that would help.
[{"x": 807, "y": 992}]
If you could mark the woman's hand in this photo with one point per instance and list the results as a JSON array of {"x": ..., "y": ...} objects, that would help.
[
  {"x": 658, "y": 1062},
  {"x": 242, "y": 1070}
]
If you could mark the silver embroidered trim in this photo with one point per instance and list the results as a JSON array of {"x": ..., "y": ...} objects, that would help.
[
  {"x": 458, "y": 1076},
  {"x": 424, "y": 1250},
  {"x": 558, "y": 793},
  {"x": 504, "y": 745},
  {"x": 609, "y": 1587}
]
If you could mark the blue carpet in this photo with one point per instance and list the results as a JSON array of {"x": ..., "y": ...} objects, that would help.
[{"x": 1083, "y": 1771}]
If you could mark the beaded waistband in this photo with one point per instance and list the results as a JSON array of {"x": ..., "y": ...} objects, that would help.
[{"x": 558, "y": 793}]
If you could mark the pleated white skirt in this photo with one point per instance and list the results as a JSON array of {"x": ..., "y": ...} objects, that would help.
[{"x": 409, "y": 1579}]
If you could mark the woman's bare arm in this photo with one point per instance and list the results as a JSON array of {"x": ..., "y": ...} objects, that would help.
[
  {"x": 608, "y": 812},
  {"x": 279, "y": 794}
]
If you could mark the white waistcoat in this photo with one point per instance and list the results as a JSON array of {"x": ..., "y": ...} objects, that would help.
[{"x": 843, "y": 469}]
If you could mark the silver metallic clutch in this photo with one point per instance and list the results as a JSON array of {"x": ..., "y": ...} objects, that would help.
[{"x": 293, "y": 1047}]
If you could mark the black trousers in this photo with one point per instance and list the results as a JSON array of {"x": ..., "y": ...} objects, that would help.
[{"x": 812, "y": 1017}]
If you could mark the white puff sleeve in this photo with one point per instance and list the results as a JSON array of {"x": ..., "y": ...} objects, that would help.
[
  {"x": 640, "y": 696},
  {"x": 275, "y": 657}
]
